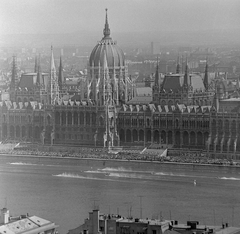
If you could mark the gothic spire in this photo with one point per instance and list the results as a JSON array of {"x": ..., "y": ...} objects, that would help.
[
  {"x": 205, "y": 81},
  {"x": 178, "y": 66},
  {"x": 36, "y": 64},
  {"x": 54, "y": 89},
  {"x": 157, "y": 75},
  {"x": 186, "y": 75},
  {"x": 13, "y": 78},
  {"x": 60, "y": 75},
  {"x": 106, "y": 30},
  {"x": 53, "y": 68}
]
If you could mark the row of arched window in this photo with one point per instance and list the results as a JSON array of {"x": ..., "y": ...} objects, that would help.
[
  {"x": 225, "y": 125},
  {"x": 76, "y": 118},
  {"x": 23, "y": 119},
  {"x": 195, "y": 124},
  {"x": 22, "y": 132},
  {"x": 183, "y": 139},
  {"x": 166, "y": 123}
]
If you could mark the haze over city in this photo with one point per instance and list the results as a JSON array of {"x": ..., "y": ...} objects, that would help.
[{"x": 131, "y": 21}]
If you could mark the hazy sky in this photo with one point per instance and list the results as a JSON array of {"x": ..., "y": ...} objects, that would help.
[{"x": 57, "y": 16}]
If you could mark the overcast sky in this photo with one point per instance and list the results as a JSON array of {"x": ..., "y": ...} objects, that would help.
[{"x": 57, "y": 16}]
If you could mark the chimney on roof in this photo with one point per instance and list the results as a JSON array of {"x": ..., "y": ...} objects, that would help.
[
  {"x": 4, "y": 218},
  {"x": 95, "y": 221}
]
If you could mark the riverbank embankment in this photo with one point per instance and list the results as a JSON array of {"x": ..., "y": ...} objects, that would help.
[{"x": 103, "y": 154}]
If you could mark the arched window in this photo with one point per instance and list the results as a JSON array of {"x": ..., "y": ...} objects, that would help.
[{"x": 88, "y": 118}]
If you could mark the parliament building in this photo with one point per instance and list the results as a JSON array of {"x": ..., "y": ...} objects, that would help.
[{"x": 184, "y": 111}]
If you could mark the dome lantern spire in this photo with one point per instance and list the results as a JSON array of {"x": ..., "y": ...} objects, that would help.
[{"x": 106, "y": 30}]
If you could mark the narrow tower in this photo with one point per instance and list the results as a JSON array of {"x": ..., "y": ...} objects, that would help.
[
  {"x": 186, "y": 76},
  {"x": 156, "y": 85},
  {"x": 60, "y": 75},
  {"x": 54, "y": 89},
  {"x": 106, "y": 30},
  {"x": 13, "y": 81},
  {"x": 14, "y": 74},
  {"x": 178, "y": 68},
  {"x": 205, "y": 81}
]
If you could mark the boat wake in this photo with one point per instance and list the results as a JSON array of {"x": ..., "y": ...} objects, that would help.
[
  {"x": 229, "y": 178},
  {"x": 128, "y": 175},
  {"x": 70, "y": 175},
  {"x": 122, "y": 169},
  {"x": 24, "y": 164},
  {"x": 122, "y": 172},
  {"x": 114, "y": 169},
  {"x": 76, "y": 176},
  {"x": 95, "y": 172}
]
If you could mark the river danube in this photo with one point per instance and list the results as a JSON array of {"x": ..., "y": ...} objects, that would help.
[{"x": 65, "y": 190}]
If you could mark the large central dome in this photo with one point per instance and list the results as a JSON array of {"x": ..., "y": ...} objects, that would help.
[{"x": 114, "y": 55}]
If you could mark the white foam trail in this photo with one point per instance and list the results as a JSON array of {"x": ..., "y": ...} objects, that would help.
[
  {"x": 95, "y": 172},
  {"x": 122, "y": 169},
  {"x": 113, "y": 169},
  {"x": 76, "y": 176},
  {"x": 70, "y": 175},
  {"x": 229, "y": 178},
  {"x": 125, "y": 175},
  {"x": 24, "y": 164},
  {"x": 170, "y": 174}
]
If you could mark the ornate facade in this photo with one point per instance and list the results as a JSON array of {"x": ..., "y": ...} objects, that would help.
[
  {"x": 36, "y": 86},
  {"x": 107, "y": 57},
  {"x": 184, "y": 112},
  {"x": 187, "y": 88}
]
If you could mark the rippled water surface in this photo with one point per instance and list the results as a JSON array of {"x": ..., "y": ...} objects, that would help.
[{"x": 65, "y": 190}]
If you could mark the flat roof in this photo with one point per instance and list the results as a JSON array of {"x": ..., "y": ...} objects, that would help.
[
  {"x": 144, "y": 221},
  {"x": 26, "y": 225}
]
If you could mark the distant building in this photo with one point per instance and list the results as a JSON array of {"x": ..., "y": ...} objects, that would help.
[{"x": 108, "y": 108}]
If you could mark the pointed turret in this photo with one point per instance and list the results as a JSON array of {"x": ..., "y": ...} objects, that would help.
[
  {"x": 14, "y": 74},
  {"x": 156, "y": 82},
  {"x": 54, "y": 90},
  {"x": 53, "y": 68},
  {"x": 205, "y": 81},
  {"x": 155, "y": 89},
  {"x": 106, "y": 30},
  {"x": 60, "y": 74},
  {"x": 178, "y": 68},
  {"x": 186, "y": 75}
]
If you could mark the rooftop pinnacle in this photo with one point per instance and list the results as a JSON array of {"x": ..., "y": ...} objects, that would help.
[{"x": 106, "y": 30}]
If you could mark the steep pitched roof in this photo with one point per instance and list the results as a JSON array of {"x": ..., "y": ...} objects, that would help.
[{"x": 174, "y": 82}]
